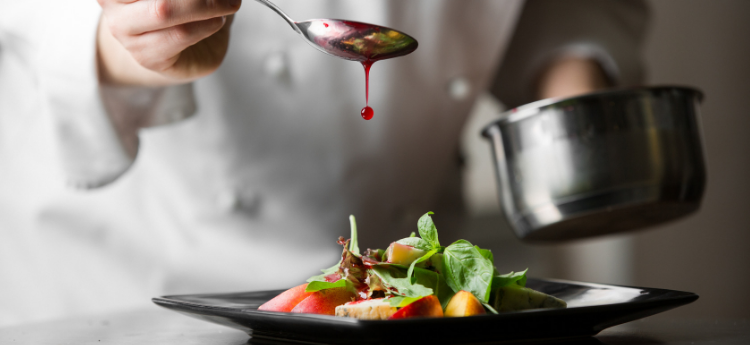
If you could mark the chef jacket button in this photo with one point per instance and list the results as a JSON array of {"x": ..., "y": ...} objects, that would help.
[
  {"x": 228, "y": 201},
  {"x": 239, "y": 200},
  {"x": 249, "y": 203},
  {"x": 276, "y": 65},
  {"x": 177, "y": 115},
  {"x": 459, "y": 88}
]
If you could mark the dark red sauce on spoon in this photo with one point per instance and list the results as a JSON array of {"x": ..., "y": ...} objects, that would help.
[{"x": 360, "y": 42}]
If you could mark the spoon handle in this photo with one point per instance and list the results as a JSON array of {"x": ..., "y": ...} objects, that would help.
[{"x": 282, "y": 14}]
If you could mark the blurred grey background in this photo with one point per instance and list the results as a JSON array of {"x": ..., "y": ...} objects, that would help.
[{"x": 698, "y": 43}]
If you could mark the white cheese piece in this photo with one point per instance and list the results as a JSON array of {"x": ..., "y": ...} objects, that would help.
[{"x": 374, "y": 309}]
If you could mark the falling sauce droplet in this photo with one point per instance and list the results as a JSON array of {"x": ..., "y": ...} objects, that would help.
[{"x": 367, "y": 113}]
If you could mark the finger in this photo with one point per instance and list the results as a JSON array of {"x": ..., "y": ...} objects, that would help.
[
  {"x": 151, "y": 15},
  {"x": 106, "y": 3},
  {"x": 158, "y": 50},
  {"x": 208, "y": 53}
]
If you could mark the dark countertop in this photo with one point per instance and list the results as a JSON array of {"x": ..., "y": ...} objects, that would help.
[{"x": 158, "y": 326}]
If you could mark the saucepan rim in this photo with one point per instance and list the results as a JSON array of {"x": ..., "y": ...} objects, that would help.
[{"x": 531, "y": 109}]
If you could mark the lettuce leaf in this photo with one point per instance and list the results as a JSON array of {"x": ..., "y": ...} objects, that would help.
[
  {"x": 322, "y": 285},
  {"x": 354, "y": 244},
  {"x": 328, "y": 271},
  {"x": 510, "y": 278},
  {"x": 353, "y": 249},
  {"x": 402, "y": 301}
]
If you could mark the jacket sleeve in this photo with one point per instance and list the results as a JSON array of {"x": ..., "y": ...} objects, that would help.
[
  {"x": 95, "y": 127},
  {"x": 610, "y": 31}
]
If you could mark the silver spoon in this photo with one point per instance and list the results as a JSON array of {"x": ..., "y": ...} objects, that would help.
[{"x": 350, "y": 40}]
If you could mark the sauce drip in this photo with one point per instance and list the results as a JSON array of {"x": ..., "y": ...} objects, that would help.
[{"x": 367, "y": 112}]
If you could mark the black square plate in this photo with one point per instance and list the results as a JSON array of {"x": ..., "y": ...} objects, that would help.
[{"x": 591, "y": 308}]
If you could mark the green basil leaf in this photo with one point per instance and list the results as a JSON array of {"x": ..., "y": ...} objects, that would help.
[
  {"x": 427, "y": 230},
  {"x": 318, "y": 285},
  {"x": 354, "y": 244},
  {"x": 413, "y": 234},
  {"x": 518, "y": 278},
  {"x": 425, "y": 281},
  {"x": 486, "y": 253},
  {"x": 415, "y": 242},
  {"x": 415, "y": 262},
  {"x": 394, "y": 278},
  {"x": 467, "y": 269},
  {"x": 436, "y": 282}
]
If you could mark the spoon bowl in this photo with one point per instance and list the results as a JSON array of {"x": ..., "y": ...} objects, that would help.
[
  {"x": 350, "y": 40},
  {"x": 356, "y": 41}
]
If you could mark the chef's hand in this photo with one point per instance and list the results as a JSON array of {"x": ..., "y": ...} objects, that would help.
[
  {"x": 162, "y": 42},
  {"x": 571, "y": 76}
]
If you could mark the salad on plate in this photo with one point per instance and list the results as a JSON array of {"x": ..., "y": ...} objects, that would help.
[{"x": 414, "y": 277}]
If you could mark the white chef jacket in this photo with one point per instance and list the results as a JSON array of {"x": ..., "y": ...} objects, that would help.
[{"x": 244, "y": 179}]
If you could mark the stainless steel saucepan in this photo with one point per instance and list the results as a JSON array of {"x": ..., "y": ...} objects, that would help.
[{"x": 599, "y": 163}]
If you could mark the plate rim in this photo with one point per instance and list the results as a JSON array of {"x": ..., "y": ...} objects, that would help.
[{"x": 681, "y": 298}]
